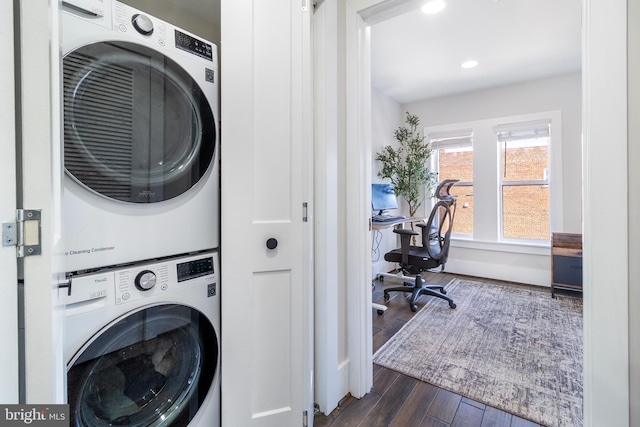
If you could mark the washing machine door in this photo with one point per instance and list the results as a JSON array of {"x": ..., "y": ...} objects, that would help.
[
  {"x": 152, "y": 367},
  {"x": 137, "y": 127}
]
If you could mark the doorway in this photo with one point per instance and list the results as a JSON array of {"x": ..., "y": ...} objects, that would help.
[{"x": 604, "y": 111}]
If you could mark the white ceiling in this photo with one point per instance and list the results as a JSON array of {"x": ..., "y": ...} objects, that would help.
[{"x": 416, "y": 56}]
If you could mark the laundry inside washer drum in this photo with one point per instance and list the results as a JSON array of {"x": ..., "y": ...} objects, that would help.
[{"x": 121, "y": 379}]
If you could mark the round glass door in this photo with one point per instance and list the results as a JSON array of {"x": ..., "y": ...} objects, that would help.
[
  {"x": 137, "y": 127},
  {"x": 152, "y": 367}
]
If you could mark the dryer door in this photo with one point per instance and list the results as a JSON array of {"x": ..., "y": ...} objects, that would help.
[
  {"x": 137, "y": 127},
  {"x": 152, "y": 367}
]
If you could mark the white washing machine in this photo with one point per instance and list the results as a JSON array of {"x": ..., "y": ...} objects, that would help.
[
  {"x": 140, "y": 137},
  {"x": 143, "y": 346}
]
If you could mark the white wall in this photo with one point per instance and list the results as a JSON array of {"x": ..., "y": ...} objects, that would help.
[
  {"x": 561, "y": 93},
  {"x": 386, "y": 116},
  {"x": 558, "y": 93}
]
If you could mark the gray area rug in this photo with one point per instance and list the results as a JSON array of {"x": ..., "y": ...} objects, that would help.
[{"x": 510, "y": 347}]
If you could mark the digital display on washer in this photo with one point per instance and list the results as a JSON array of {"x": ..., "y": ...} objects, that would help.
[
  {"x": 192, "y": 269},
  {"x": 193, "y": 45}
]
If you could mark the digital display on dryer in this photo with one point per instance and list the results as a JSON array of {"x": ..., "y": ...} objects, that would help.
[
  {"x": 193, "y": 45},
  {"x": 192, "y": 269}
]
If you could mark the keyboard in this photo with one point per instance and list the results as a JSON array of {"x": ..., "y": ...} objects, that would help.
[{"x": 386, "y": 218}]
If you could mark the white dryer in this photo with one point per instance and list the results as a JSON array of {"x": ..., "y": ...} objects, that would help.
[
  {"x": 140, "y": 137},
  {"x": 142, "y": 344}
]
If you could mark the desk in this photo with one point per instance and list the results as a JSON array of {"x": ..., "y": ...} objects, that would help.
[{"x": 381, "y": 225}]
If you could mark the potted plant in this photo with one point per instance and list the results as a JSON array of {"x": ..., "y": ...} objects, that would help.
[{"x": 408, "y": 166}]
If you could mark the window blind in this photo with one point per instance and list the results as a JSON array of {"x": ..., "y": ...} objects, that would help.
[
  {"x": 525, "y": 130},
  {"x": 461, "y": 137}
]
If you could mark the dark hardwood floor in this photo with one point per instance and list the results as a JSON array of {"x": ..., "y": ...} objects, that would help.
[{"x": 402, "y": 401}]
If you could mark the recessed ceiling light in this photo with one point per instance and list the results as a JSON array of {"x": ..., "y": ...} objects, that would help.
[
  {"x": 434, "y": 6},
  {"x": 469, "y": 64}
]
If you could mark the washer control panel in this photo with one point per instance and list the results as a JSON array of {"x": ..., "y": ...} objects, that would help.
[
  {"x": 143, "y": 280},
  {"x": 126, "y": 284}
]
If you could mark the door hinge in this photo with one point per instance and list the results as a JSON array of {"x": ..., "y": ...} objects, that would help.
[
  {"x": 25, "y": 234},
  {"x": 305, "y": 418},
  {"x": 305, "y": 212}
]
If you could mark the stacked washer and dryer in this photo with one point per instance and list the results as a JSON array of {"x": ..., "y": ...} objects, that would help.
[{"x": 141, "y": 219}]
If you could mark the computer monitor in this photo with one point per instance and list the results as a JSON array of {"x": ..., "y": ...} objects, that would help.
[{"x": 383, "y": 198}]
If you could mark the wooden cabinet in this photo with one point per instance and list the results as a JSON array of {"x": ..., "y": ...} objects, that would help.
[{"x": 566, "y": 262}]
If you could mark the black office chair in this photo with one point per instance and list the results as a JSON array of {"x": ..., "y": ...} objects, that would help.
[{"x": 436, "y": 236}]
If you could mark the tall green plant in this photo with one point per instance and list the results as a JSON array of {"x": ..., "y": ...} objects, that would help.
[{"x": 408, "y": 166}]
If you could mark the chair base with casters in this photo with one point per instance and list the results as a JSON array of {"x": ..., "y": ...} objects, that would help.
[{"x": 420, "y": 288}]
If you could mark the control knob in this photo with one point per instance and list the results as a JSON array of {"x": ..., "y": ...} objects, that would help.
[
  {"x": 143, "y": 24},
  {"x": 145, "y": 280}
]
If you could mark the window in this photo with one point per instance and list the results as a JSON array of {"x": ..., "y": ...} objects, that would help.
[
  {"x": 453, "y": 158},
  {"x": 510, "y": 172},
  {"x": 524, "y": 180}
]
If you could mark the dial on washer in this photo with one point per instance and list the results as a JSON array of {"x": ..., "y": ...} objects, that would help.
[{"x": 145, "y": 280}]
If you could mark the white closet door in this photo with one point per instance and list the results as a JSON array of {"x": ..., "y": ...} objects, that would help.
[
  {"x": 8, "y": 263},
  {"x": 266, "y": 285}
]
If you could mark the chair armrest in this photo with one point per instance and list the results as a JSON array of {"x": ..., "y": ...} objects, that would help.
[{"x": 405, "y": 242}]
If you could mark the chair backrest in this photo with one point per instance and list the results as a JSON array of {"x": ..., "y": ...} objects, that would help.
[
  {"x": 443, "y": 190},
  {"x": 436, "y": 232}
]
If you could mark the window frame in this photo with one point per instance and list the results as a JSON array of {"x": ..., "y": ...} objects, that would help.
[
  {"x": 535, "y": 127},
  {"x": 459, "y": 138}
]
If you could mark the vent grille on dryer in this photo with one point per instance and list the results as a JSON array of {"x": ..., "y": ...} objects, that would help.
[{"x": 98, "y": 124}]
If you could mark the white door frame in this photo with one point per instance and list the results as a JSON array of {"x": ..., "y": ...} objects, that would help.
[
  {"x": 606, "y": 326},
  {"x": 8, "y": 263},
  {"x": 41, "y": 172},
  {"x": 342, "y": 298},
  {"x": 634, "y": 210},
  {"x": 606, "y": 244},
  {"x": 358, "y": 212}
]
